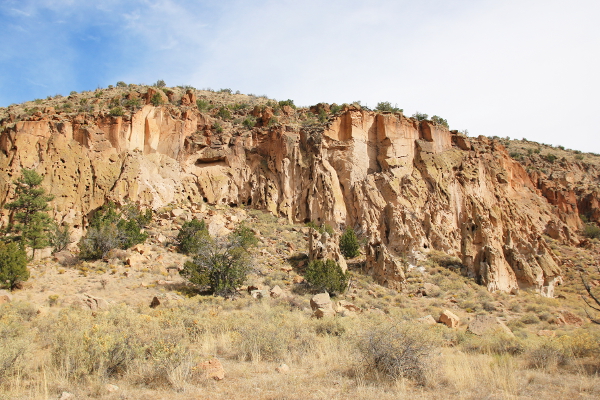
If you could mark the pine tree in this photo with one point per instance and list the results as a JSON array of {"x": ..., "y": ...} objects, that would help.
[
  {"x": 30, "y": 223},
  {"x": 13, "y": 265}
]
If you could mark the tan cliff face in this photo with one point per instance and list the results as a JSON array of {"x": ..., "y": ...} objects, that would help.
[{"x": 410, "y": 186}]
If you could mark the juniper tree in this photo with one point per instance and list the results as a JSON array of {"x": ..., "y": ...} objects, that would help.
[{"x": 30, "y": 223}]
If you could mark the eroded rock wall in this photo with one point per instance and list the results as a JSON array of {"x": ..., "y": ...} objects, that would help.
[{"x": 412, "y": 186}]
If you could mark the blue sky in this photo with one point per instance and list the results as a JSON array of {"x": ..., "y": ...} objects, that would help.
[{"x": 527, "y": 68}]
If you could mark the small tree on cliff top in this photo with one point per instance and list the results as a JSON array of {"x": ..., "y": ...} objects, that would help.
[{"x": 30, "y": 223}]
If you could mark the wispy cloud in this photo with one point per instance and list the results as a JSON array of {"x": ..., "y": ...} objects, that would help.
[{"x": 513, "y": 68}]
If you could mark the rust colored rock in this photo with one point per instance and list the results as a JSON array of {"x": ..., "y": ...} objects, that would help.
[
  {"x": 213, "y": 369},
  {"x": 568, "y": 318}
]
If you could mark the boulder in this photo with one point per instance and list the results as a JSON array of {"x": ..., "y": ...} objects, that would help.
[
  {"x": 487, "y": 324},
  {"x": 276, "y": 292},
  {"x": 94, "y": 303},
  {"x": 568, "y": 318},
  {"x": 213, "y": 369},
  {"x": 4, "y": 297},
  {"x": 346, "y": 305},
  {"x": 259, "y": 294},
  {"x": 155, "y": 302},
  {"x": 321, "y": 305},
  {"x": 449, "y": 319},
  {"x": 283, "y": 368},
  {"x": 325, "y": 246}
]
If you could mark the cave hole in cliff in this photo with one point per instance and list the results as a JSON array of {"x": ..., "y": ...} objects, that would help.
[
  {"x": 306, "y": 220},
  {"x": 249, "y": 202},
  {"x": 425, "y": 246},
  {"x": 205, "y": 199},
  {"x": 233, "y": 205}
]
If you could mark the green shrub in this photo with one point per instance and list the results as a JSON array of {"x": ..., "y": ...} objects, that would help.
[
  {"x": 321, "y": 229},
  {"x": 160, "y": 83},
  {"x": 547, "y": 356},
  {"x": 121, "y": 84},
  {"x": 550, "y": 157},
  {"x": 132, "y": 103},
  {"x": 116, "y": 112},
  {"x": 349, "y": 245},
  {"x": 440, "y": 121},
  {"x": 202, "y": 105},
  {"x": 249, "y": 122},
  {"x": 245, "y": 236},
  {"x": 419, "y": 116},
  {"x": 13, "y": 265},
  {"x": 156, "y": 100},
  {"x": 387, "y": 106},
  {"x": 224, "y": 113},
  {"x": 221, "y": 264},
  {"x": 190, "y": 236},
  {"x": 287, "y": 102},
  {"x": 60, "y": 237},
  {"x": 591, "y": 231},
  {"x": 109, "y": 230},
  {"x": 326, "y": 276},
  {"x": 217, "y": 127}
]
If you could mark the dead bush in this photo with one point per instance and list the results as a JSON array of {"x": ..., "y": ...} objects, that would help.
[{"x": 394, "y": 351}]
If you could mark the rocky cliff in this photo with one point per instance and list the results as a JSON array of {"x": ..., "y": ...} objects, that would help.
[{"x": 410, "y": 186}]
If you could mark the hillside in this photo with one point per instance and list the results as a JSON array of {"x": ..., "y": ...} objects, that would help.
[{"x": 478, "y": 227}]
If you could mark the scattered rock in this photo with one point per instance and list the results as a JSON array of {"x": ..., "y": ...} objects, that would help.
[
  {"x": 346, "y": 305},
  {"x": 487, "y": 324},
  {"x": 94, "y": 303},
  {"x": 111, "y": 388},
  {"x": 449, "y": 319},
  {"x": 283, "y": 368},
  {"x": 321, "y": 305},
  {"x": 568, "y": 318},
  {"x": 276, "y": 292},
  {"x": 298, "y": 279},
  {"x": 259, "y": 294},
  {"x": 66, "y": 396},
  {"x": 155, "y": 302},
  {"x": 213, "y": 369}
]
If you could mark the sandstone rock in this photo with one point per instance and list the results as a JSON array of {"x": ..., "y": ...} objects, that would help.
[
  {"x": 4, "y": 297},
  {"x": 322, "y": 306},
  {"x": 411, "y": 186},
  {"x": 283, "y": 368},
  {"x": 487, "y": 324},
  {"x": 259, "y": 294},
  {"x": 66, "y": 396},
  {"x": 449, "y": 319},
  {"x": 65, "y": 257},
  {"x": 323, "y": 246},
  {"x": 94, "y": 303},
  {"x": 568, "y": 318},
  {"x": 276, "y": 292},
  {"x": 213, "y": 369},
  {"x": 346, "y": 305},
  {"x": 110, "y": 388},
  {"x": 135, "y": 261},
  {"x": 427, "y": 320}
]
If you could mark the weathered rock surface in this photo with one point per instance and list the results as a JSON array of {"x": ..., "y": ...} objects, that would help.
[
  {"x": 410, "y": 185},
  {"x": 324, "y": 246},
  {"x": 487, "y": 324},
  {"x": 322, "y": 306},
  {"x": 449, "y": 319}
]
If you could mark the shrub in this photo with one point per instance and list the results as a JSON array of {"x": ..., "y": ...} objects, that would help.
[
  {"x": 156, "y": 100},
  {"x": 547, "y": 356},
  {"x": 440, "y": 121},
  {"x": 287, "y": 102},
  {"x": 160, "y": 83},
  {"x": 246, "y": 237},
  {"x": 60, "y": 237},
  {"x": 387, "y": 106},
  {"x": 109, "y": 230},
  {"x": 116, "y": 112},
  {"x": 419, "y": 116},
  {"x": 349, "y": 245},
  {"x": 217, "y": 127},
  {"x": 550, "y": 157},
  {"x": 224, "y": 113},
  {"x": 121, "y": 84},
  {"x": 249, "y": 122},
  {"x": 221, "y": 264},
  {"x": 133, "y": 103},
  {"x": 579, "y": 157},
  {"x": 326, "y": 276},
  {"x": 321, "y": 229},
  {"x": 591, "y": 231},
  {"x": 398, "y": 350},
  {"x": 13, "y": 265},
  {"x": 190, "y": 236},
  {"x": 202, "y": 105}
]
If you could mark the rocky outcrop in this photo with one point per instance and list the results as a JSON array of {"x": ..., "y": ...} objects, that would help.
[
  {"x": 325, "y": 246},
  {"x": 410, "y": 185}
]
